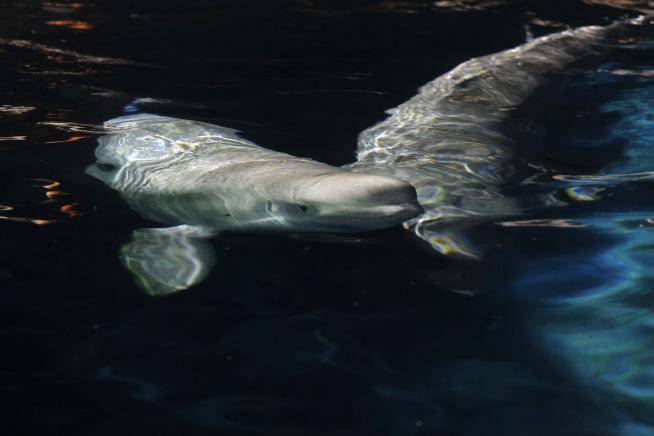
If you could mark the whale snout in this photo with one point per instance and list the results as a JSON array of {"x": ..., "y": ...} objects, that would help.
[
  {"x": 391, "y": 211},
  {"x": 359, "y": 202},
  {"x": 388, "y": 190},
  {"x": 389, "y": 197}
]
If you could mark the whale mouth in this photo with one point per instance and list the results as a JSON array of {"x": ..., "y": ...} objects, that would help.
[
  {"x": 408, "y": 210},
  {"x": 411, "y": 210},
  {"x": 374, "y": 218}
]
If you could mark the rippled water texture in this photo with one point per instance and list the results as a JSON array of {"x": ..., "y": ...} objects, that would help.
[{"x": 533, "y": 317}]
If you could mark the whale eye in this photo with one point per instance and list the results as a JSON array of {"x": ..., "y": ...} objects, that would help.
[{"x": 305, "y": 209}]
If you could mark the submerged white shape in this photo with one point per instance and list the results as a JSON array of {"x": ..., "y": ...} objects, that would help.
[{"x": 168, "y": 260}]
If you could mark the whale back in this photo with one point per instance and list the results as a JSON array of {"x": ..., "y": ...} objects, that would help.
[
  {"x": 144, "y": 151},
  {"x": 147, "y": 138}
]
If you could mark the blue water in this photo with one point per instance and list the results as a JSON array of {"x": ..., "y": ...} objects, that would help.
[{"x": 547, "y": 330}]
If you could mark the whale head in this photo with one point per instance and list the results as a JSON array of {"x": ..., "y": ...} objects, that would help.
[{"x": 351, "y": 202}]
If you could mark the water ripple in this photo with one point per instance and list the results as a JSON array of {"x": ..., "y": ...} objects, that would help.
[
  {"x": 15, "y": 110},
  {"x": 71, "y": 54}
]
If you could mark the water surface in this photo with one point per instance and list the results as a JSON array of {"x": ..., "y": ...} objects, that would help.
[{"x": 548, "y": 331}]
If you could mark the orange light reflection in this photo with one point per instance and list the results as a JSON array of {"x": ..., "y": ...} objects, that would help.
[
  {"x": 71, "y": 24},
  {"x": 38, "y": 222},
  {"x": 71, "y": 139},
  {"x": 51, "y": 194},
  {"x": 69, "y": 209},
  {"x": 42, "y": 222}
]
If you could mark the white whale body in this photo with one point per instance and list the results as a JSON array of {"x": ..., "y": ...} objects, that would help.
[
  {"x": 449, "y": 142},
  {"x": 185, "y": 172},
  {"x": 205, "y": 179}
]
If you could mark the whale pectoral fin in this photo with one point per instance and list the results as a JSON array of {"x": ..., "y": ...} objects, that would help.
[{"x": 165, "y": 261}]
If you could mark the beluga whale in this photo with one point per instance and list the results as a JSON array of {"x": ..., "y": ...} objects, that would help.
[
  {"x": 203, "y": 179},
  {"x": 443, "y": 156}
]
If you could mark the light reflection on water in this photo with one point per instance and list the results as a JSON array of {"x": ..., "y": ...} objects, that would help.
[
  {"x": 593, "y": 305},
  {"x": 594, "y": 314}
]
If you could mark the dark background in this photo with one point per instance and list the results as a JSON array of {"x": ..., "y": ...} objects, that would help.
[{"x": 291, "y": 334}]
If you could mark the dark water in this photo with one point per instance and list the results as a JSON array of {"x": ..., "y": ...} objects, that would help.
[{"x": 550, "y": 332}]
